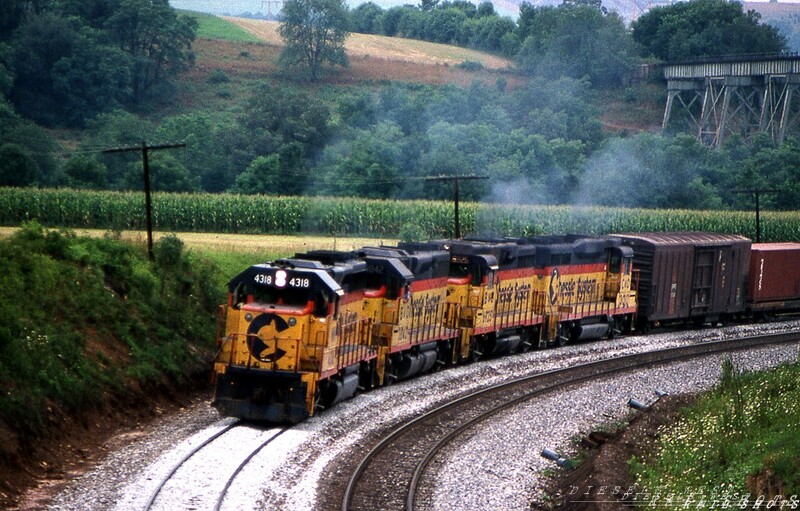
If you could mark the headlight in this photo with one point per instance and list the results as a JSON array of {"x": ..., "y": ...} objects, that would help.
[{"x": 292, "y": 321}]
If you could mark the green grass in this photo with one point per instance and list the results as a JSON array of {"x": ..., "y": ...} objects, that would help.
[
  {"x": 88, "y": 319},
  {"x": 213, "y": 27},
  {"x": 231, "y": 264},
  {"x": 746, "y": 427}
]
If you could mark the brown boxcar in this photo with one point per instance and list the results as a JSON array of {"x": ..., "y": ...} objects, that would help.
[
  {"x": 689, "y": 276},
  {"x": 774, "y": 283}
]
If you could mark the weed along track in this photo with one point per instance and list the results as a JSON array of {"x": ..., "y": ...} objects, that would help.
[
  {"x": 392, "y": 474},
  {"x": 228, "y": 450}
]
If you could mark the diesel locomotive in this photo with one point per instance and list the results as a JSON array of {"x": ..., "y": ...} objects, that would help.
[{"x": 303, "y": 333}]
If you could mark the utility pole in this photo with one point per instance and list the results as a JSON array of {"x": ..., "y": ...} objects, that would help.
[
  {"x": 455, "y": 179},
  {"x": 145, "y": 149},
  {"x": 757, "y": 193}
]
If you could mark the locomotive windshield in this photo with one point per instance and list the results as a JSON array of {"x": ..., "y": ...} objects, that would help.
[{"x": 282, "y": 291}]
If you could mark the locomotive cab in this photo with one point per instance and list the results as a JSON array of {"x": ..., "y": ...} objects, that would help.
[{"x": 620, "y": 262}]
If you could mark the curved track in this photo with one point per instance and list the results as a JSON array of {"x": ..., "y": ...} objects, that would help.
[
  {"x": 208, "y": 444},
  {"x": 389, "y": 475}
]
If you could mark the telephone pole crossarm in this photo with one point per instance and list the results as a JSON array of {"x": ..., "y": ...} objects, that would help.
[
  {"x": 455, "y": 179},
  {"x": 145, "y": 149}
]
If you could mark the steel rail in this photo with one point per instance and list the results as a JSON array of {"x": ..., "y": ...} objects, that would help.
[
  {"x": 224, "y": 491},
  {"x": 183, "y": 460},
  {"x": 198, "y": 448},
  {"x": 597, "y": 369}
]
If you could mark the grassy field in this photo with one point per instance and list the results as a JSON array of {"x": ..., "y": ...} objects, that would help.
[
  {"x": 214, "y": 27},
  {"x": 233, "y": 253},
  {"x": 736, "y": 440},
  {"x": 247, "y": 49},
  {"x": 397, "y": 49}
]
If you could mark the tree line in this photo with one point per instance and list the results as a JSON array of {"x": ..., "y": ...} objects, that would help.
[
  {"x": 64, "y": 61},
  {"x": 539, "y": 143},
  {"x": 578, "y": 38}
]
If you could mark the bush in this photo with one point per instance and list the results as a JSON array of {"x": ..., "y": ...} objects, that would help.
[
  {"x": 81, "y": 317},
  {"x": 218, "y": 76}
]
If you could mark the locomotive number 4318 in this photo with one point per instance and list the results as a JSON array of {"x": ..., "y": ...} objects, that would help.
[{"x": 281, "y": 279}]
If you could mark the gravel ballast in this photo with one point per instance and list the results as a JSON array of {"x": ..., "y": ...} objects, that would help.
[{"x": 496, "y": 467}]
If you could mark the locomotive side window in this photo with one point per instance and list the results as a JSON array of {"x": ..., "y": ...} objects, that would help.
[
  {"x": 614, "y": 260},
  {"x": 239, "y": 296}
]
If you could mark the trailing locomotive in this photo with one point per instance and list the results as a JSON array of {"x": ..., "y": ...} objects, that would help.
[{"x": 304, "y": 333}]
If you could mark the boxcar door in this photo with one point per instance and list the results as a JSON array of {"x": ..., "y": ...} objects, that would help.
[
  {"x": 702, "y": 280},
  {"x": 724, "y": 280}
]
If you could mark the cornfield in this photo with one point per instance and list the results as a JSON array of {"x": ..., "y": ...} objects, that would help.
[{"x": 249, "y": 214}]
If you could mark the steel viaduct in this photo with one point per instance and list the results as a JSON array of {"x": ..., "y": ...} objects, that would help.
[{"x": 741, "y": 95}]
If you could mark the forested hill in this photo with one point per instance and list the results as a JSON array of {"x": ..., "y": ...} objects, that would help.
[{"x": 547, "y": 110}]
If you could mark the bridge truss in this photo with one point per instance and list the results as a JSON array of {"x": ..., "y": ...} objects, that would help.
[{"x": 745, "y": 96}]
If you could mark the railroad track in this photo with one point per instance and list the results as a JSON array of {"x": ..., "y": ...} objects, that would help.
[
  {"x": 183, "y": 464},
  {"x": 389, "y": 475}
]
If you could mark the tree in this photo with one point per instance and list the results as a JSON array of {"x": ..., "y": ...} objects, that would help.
[
  {"x": 444, "y": 25},
  {"x": 772, "y": 167},
  {"x": 313, "y": 32},
  {"x": 704, "y": 28},
  {"x": 17, "y": 168},
  {"x": 280, "y": 173},
  {"x": 158, "y": 41},
  {"x": 85, "y": 172},
  {"x": 366, "y": 19},
  {"x": 280, "y": 115},
  {"x": 366, "y": 164},
  {"x": 654, "y": 171},
  {"x": 116, "y": 129},
  {"x": 166, "y": 175},
  {"x": 575, "y": 40},
  {"x": 206, "y": 152},
  {"x": 491, "y": 33},
  {"x": 37, "y": 143},
  {"x": 6, "y": 78}
]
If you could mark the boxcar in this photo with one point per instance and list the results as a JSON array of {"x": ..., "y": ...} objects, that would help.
[{"x": 689, "y": 276}]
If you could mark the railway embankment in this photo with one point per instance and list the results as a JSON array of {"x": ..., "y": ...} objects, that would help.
[{"x": 93, "y": 337}]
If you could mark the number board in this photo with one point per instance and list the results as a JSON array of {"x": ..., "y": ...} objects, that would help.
[{"x": 282, "y": 279}]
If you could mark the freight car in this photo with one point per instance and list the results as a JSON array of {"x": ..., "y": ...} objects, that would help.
[
  {"x": 774, "y": 279},
  {"x": 689, "y": 277},
  {"x": 304, "y": 333}
]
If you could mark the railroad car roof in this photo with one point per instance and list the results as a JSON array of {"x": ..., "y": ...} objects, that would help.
[
  {"x": 764, "y": 247},
  {"x": 684, "y": 238}
]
